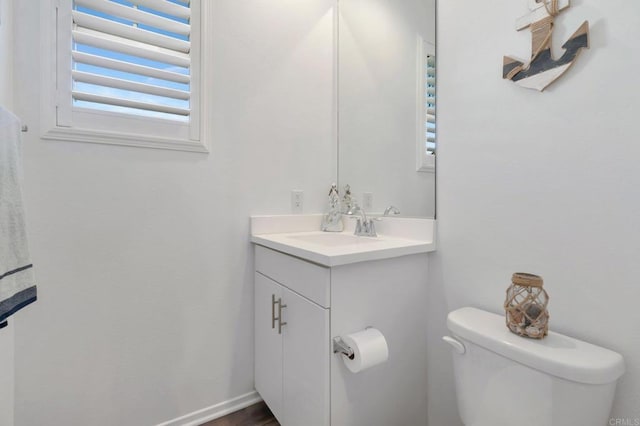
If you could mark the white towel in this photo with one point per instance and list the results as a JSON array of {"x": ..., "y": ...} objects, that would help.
[{"x": 17, "y": 283}]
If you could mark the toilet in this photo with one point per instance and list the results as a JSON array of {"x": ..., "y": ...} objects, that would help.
[{"x": 503, "y": 380}]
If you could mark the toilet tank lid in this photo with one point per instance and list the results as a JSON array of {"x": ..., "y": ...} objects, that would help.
[{"x": 556, "y": 354}]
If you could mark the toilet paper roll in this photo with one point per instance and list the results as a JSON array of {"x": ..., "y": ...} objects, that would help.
[{"x": 369, "y": 347}]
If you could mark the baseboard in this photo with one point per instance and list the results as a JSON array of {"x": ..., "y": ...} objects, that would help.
[{"x": 215, "y": 411}]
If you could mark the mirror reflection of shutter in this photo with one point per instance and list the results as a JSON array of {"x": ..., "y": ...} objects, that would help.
[
  {"x": 132, "y": 57},
  {"x": 430, "y": 94}
]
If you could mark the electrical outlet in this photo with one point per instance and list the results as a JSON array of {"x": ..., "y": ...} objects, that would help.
[
  {"x": 367, "y": 201},
  {"x": 297, "y": 201}
]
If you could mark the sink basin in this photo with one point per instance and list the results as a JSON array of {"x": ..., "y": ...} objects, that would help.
[{"x": 328, "y": 239}]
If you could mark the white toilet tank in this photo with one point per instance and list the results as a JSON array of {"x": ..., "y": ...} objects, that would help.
[{"x": 506, "y": 380}]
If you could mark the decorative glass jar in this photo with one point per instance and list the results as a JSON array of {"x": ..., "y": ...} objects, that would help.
[{"x": 526, "y": 306}]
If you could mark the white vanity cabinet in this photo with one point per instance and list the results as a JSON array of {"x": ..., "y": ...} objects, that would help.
[
  {"x": 333, "y": 284},
  {"x": 292, "y": 351}
]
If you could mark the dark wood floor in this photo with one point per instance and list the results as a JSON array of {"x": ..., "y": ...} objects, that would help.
[{"x": 254, "y": 415}]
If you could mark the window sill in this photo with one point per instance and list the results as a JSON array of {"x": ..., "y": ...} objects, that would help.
[
  {"x": 68, "y": 134},
  {"x": 427, "y": 164}
]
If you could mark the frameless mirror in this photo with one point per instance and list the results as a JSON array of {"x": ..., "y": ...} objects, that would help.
[{"x": 386, "y": 104}]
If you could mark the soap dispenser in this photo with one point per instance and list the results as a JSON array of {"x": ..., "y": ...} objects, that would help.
[{"x": 332, "y": 221}]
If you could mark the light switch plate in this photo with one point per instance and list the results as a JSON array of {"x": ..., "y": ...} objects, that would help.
[
  {"x": 297, "y": 201},
  {"x": 367, "y": 201}
]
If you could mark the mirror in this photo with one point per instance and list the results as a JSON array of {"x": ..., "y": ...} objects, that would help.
[{"x": 386, "y": 104}]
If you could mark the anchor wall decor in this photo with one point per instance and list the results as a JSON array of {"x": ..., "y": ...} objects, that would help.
[{"x": 543, "y": 70}]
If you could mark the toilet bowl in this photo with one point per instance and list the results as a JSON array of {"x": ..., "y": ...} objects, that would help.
[{"x": 504, "y": 380}]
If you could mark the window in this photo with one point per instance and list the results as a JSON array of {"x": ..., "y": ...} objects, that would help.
[
  {"x": 430, "y": 99},
  {"x": 128, "y": 72},
  {"x": 426, "y": 109}
]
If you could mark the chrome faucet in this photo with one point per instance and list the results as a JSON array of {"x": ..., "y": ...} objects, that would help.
[
  {"x": 391, "y": 209},
  {"x": 364, "y": 226}
]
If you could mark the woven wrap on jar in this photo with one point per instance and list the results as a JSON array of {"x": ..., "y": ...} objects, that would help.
[{"x": 526, "y": 306}]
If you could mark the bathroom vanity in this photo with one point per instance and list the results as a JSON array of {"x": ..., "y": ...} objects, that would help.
[{"x": 312, "y": 286}]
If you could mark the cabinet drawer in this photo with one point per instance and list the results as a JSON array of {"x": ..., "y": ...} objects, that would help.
[{"x": 305, "y": 278}]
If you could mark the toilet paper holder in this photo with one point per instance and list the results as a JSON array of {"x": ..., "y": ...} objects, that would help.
[{"x": 339, "y": 346}]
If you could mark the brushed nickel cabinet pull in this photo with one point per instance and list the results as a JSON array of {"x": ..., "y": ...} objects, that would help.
[
  {"x": 280, "y": 308},
  {"x": 273, "y": 310}
]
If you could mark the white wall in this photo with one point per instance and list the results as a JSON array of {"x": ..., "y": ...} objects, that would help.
[
  {"x": 6, "y": 100},
  {"x": 145, "y": 276},
  {"x": 7, "y": 375},
  {"x": 545, "y": 183},
  {"x": 6, "y": 53},
  {"x": 377, "y": 102}
]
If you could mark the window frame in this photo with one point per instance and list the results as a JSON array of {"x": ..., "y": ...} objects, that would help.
[{"x": 61, "y": 121}]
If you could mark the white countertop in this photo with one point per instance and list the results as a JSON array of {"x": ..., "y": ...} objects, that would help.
[{"x": 299, "y": 236}]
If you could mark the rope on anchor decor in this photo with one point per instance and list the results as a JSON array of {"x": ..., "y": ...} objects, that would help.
[{"x": 553, "y": 9}]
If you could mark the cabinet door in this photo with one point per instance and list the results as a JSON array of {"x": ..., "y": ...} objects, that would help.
[
  {"x": 306, "y": 362},
  {"x": 268, "y": 344}
]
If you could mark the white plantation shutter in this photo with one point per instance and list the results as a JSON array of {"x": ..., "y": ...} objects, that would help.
[
  {"x": 426, "y": 107},
  {"x": 134, "y": 62},
  {"x": 430, "y": 95}
]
